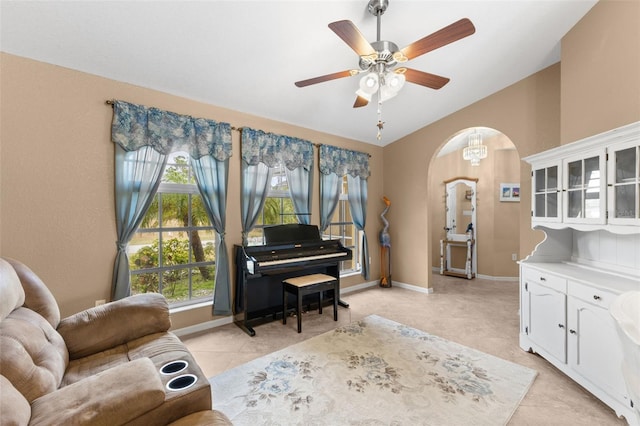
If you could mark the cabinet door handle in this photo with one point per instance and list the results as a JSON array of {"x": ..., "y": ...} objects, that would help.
[
  {"x": 543, "y": 279},
  {"x": 596, "y": 297},
  {"x": 572, "y": 331},
  {"x": 561, "y": 325}
]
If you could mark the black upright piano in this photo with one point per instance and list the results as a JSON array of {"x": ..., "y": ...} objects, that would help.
[{"x": 290, "y": 250}]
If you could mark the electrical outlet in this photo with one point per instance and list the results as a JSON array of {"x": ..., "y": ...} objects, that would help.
[
  {"x": 514, "y": 256},
  {"x": 100, "y": 302}
]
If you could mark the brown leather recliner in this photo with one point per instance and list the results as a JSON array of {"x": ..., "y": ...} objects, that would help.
[{"x": 101, "y": 366}]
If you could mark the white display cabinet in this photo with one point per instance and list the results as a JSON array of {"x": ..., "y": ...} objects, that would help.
[{"x": 590, "y": 255}]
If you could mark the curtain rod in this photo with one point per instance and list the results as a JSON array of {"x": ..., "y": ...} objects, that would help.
[{"x": 238, "y": 129}]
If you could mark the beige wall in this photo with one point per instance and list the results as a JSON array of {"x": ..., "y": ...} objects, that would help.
[
  {"x": 601, "y": 70},
  {"x": 596, "y": 88},
  {"x": 528, "y": 113},
  {"x": 498, "y": 223},
  {"x": 57, "y": 202}
]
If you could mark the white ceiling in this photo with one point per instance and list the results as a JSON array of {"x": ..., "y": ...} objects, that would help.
[{"x": 246, "y": 55}]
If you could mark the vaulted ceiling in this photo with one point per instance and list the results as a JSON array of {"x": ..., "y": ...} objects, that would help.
[{"x": 246, "y": 55}]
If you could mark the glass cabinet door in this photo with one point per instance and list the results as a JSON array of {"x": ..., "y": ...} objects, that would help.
[
  {"x": 585, "y": 189},
  {"x": 546, "y": 192},
  {"x": 624, "y": 184}
]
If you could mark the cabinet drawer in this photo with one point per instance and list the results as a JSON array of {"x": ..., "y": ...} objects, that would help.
[
  {"x": 546, "y": 279},
  {"x": 591, "y": 295}
]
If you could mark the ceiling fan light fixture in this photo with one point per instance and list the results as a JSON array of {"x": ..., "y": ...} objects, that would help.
[
  {"x": 394, "y": 81},
  {"x": 369, "y": 84}
]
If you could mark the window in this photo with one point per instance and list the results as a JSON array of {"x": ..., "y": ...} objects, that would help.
[
  {"x": 278, "y": 207},
  {"x": 342, "y": 228},
  {"x": 173, "y": 251}
]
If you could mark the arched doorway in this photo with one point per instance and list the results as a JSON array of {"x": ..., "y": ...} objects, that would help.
[{"x": 498, "y": 218}]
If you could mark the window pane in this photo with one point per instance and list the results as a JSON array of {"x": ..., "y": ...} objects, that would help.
[
  {"x": 575, "y": 174},
  {"x": 271, "y": 211},
  {"x": 592, "y": 203},
  {"x": 175, "y": 210},
  {"x": 175, "y": 284},
  {"x": 540, "y": 181},
  {"x": 592, "y": 172},
  {"x": 175, "y": 248},
  {"x": 288, "y": 212},
  {"x": 552, "y": 204},
  {"x": 575, "y": 204},
  {"x": 144, "y": 283},
  {"x": 143, "y": 251},
  {"x": 625, "y": 201},
  {"x": 199, "y": 216},
  {"x": 178, "y": 169},
  {"x": 255, "y": 237},
  {"x": 540, "y": 203},
  {"x": 552, "y": 178},
  {"x": 626, "y": 165},
  {"x": 202, "y": 281}
]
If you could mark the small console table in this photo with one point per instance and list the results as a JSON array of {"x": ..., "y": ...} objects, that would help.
[{"x": 445, "y": 258}]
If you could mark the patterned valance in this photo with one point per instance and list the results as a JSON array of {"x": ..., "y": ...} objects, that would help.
[
  {"x": 343, "y": 161},
  {"x": 135, "y": 126},
  {"x": 271, "y": 149}
]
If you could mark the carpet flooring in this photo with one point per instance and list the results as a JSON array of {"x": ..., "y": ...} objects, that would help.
[
  {"x": 480, "y": 313},
  {"x": 373, "y": 371}
]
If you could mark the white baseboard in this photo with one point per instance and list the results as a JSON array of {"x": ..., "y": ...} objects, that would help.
[
  {"x": 436, "y": 269},
  {"x": 413, "y": 287},
  {"x": 203, "y": 326}
]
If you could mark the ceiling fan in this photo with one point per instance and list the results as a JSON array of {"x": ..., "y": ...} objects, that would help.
[{"x": 379, "y": 60}]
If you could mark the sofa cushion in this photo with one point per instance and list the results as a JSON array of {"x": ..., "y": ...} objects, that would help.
[
  {"x": 33, "y": 356},
  {"x": 112, "y": 397},
  {"x": 103, "y": 327},
  {"x": 38, "y": 298},
  {"x": 10, "y": 289},
  {"x": 14, "y": 408}
]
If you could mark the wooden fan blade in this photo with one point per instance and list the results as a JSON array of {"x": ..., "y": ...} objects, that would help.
[
  {"x": 322, "y": 78},
  {"x": 442, "y": 37},
  {"x": 360, "y": 102},
  {"x": 425, "y": 79},
  {"x": 351, "y": 35}
]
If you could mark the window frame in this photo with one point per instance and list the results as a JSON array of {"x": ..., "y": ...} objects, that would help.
[
  {"x": 343, "y": 222},
  {"x": 191, "y": 190}
]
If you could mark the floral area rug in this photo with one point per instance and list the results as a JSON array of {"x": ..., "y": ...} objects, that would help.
[{"x": 373, "y": 372}]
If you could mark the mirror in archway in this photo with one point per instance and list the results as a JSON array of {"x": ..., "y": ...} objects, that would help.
[{"x": 459, "y": 246}]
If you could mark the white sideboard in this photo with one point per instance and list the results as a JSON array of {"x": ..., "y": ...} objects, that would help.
[{"x": 586, "y": 199}]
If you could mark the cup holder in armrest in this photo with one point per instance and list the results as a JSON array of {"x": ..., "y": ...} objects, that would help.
[
  {"x": 174, "y": 367},
  {"x": 182, "y": 382}
]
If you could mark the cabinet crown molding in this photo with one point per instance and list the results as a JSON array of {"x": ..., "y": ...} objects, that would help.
[{"x": 624, "y": 133}]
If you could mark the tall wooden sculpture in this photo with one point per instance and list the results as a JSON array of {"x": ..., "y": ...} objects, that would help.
[{"x": 385, "y": 249}]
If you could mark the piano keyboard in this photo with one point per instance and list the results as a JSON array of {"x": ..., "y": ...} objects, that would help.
[{"x": 301, "y": 259}]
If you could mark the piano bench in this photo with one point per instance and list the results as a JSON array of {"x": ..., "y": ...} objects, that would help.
[{"x": 309, "y": 284}]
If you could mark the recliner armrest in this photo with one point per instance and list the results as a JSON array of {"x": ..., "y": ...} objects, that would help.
[
  {"x": 112, "y": 324},
  {"x": 112, "y": 397}
]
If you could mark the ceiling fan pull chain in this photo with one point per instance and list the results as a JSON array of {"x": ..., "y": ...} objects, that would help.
[{"x": 380, "y": 123}]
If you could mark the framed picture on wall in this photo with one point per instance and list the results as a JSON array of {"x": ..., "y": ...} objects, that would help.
[{"x": 510, "y": 192}]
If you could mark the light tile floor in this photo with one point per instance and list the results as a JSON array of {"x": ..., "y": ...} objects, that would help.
[{"x": 482, "y": 314}]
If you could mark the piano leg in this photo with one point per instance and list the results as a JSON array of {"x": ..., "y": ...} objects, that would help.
[{"x": 246, "y": 328}]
